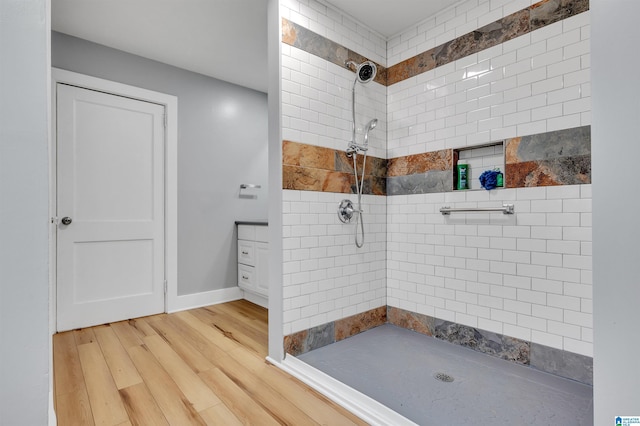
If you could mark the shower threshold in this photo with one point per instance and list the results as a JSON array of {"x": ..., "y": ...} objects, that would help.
[{"x": 432, "y": 382}]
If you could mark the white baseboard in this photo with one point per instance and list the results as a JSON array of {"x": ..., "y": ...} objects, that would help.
[
  {"x": 198, "y": 300},
  {"x": 53, "y": 421},
  {"x": 257, "y": 299},
  {"x": 368, "y": 409}
]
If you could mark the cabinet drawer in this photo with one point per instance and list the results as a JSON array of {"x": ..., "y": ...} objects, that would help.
[
  {"x": 246, "y": 232},
  {"x": 247, "y": 252},
  {"x": 246, "y": 276}
]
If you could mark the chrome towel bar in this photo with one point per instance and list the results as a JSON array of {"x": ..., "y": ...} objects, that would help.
[
  {"x": 506, "y": 209},
  {"x": 249, "y": 185}
]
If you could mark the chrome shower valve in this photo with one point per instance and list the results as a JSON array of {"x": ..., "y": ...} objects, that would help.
[{"x": 346, "y": 211}]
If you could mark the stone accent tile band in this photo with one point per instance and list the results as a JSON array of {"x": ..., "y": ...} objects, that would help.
[
  {"x": 537, "y": 16},
  {"x": 504, "y": 347},
  {"x": 561, "y": 363},
  {"x": 497, "y": 32},
  {"x": 420, "y": 163},
  {"x": 425, "y": 183},
  {"x": 356, "y": 324},
  {"x": 421, "y": 173},
  {"x": 314, "y": 168},
  {"x": 494, "y": 344},
  {"x": 562, "y": 157},
  {"x": 323, "y": 335},
  {"x": 413, "y": 321},
  {"x": 304, "y": 39}
]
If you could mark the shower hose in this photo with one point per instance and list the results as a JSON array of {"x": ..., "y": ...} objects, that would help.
[{"x": 359, "y": 187}]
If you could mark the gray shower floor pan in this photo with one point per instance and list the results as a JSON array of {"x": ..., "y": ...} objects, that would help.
[{"x": 411, "y": 374}]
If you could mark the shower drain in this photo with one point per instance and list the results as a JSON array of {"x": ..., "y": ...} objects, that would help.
[{"x": 443, "y": 377}]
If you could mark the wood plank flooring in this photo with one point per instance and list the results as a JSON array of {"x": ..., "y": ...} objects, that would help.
[{"x": 200, "y": 367}]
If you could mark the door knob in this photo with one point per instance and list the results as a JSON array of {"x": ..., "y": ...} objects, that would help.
[{"x": 66, "y": 220}]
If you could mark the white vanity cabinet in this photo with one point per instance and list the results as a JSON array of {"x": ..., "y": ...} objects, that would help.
[{"x": 253, "y": 261}]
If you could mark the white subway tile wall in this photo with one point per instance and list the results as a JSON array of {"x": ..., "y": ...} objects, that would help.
[
  {"x": 316, "y": 103},
  {"x": 326, "y": 277},
  {"x": 509, "y": 274},
  {"x": 527, "y": 275},
  {"x": 535, "y": 83}
]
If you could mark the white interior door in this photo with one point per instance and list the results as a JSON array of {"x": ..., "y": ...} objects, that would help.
[{"x": 110, "y": 208}]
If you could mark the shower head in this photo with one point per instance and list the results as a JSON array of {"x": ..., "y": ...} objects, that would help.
[
  {"x": 365, "y": 72},
  {"x": 370, "y": 126}
]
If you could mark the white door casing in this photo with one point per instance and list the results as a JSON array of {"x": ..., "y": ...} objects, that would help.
[
  {"x": 120, "y": 191},
  {"x": 110, "y": 182}
]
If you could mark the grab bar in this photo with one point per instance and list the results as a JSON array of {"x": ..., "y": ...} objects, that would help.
[{"x": 506, "y": 209}]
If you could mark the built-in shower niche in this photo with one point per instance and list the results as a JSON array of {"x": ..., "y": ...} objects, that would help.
[{"x": 479, "y": 158}]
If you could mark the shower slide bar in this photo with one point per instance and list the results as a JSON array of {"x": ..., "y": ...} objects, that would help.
[{"x": 506, "y": 209}]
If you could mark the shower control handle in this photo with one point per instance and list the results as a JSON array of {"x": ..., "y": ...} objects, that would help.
[{"x": 346, "y": 211}]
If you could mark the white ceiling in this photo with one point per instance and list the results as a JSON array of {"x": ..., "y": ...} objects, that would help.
[
  {"x": 224, "y": 39},
  {"x": 390, "y": 17}
]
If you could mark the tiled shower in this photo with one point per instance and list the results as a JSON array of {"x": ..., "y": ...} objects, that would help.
[{"x": 514, "y": 73}]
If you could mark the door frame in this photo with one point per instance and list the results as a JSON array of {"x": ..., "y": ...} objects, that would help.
[{"x": 170, "y": 104}]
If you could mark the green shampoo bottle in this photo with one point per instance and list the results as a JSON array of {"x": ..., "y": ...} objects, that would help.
[{"x": 463, "y": 175}]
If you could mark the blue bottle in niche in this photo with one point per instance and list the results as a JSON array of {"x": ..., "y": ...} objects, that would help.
[{"x": 463, "y": 174}]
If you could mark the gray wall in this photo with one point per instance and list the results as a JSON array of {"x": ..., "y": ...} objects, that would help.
[
  {"x": 616, "y": 228},
  {"x": 24, "y": 211},
  {"x": 222, "y": 142}
]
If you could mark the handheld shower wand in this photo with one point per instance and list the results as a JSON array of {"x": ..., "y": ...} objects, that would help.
[{"x": 370, "y": 126}]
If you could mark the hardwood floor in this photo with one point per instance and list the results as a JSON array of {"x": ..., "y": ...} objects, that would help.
[{"x": 200, "y": 367}]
